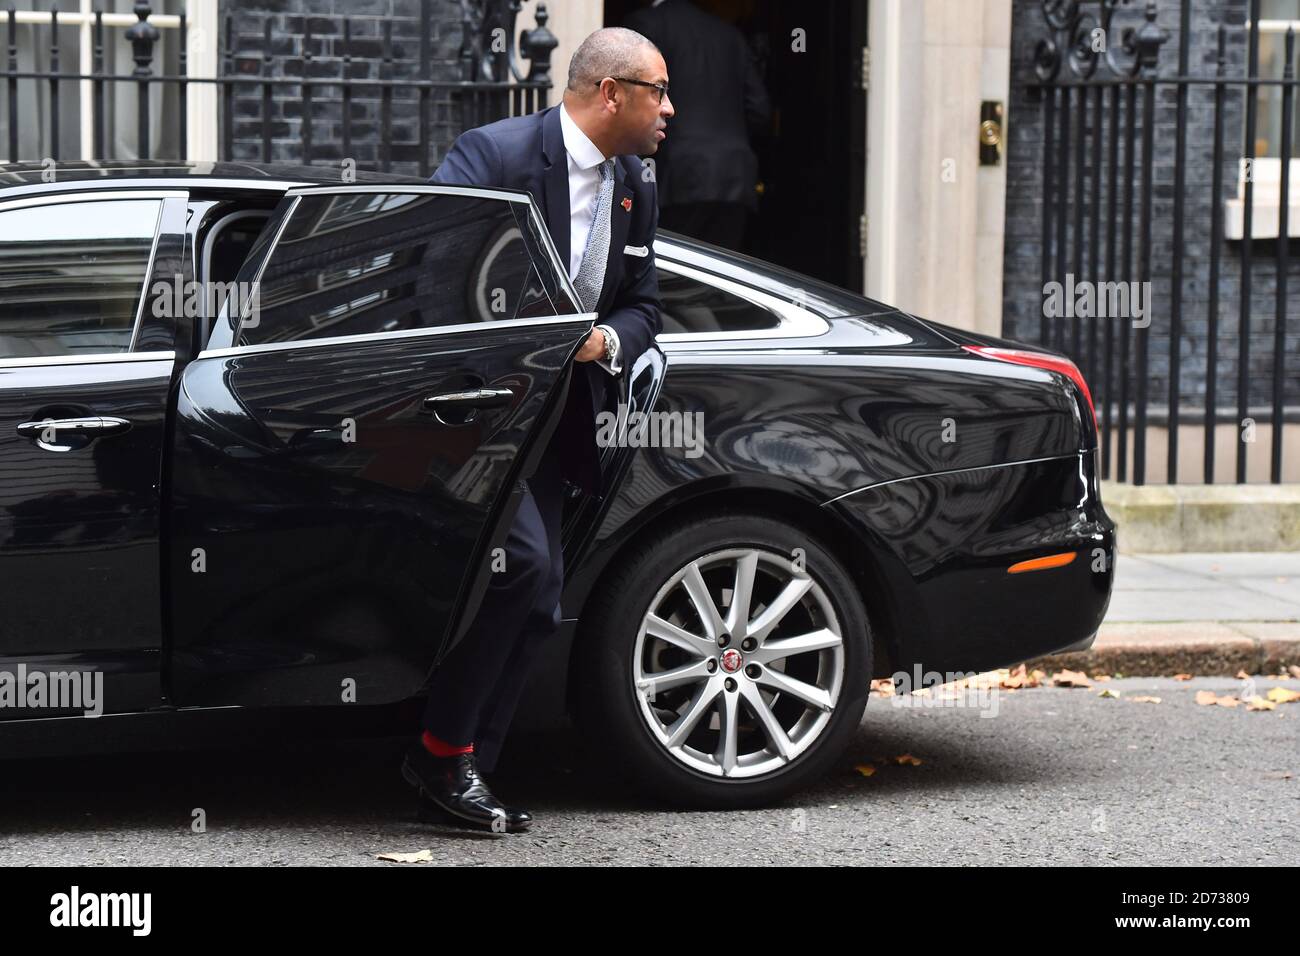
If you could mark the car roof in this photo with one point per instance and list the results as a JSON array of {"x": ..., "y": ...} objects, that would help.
[{"x": 32, "y": 174}]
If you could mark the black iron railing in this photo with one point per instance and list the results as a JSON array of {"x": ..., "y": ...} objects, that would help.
[
  {"x": 1109, "y": 219},
  {"x": 486, "y": 83}
]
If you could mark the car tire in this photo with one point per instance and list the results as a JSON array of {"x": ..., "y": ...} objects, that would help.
[{"x": 632, "y": 730}]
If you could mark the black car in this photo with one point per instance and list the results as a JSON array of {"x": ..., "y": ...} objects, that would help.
[{"x": 279, "y": 504}]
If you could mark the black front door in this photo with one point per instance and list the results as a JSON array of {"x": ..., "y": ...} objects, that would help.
[{"x": 346, "y": 454}]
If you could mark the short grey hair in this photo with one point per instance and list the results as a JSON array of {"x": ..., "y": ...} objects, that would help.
[{"x": 610, "y": 51}]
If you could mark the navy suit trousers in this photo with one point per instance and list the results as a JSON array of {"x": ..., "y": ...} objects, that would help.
[{"x": 477, "y": 687}]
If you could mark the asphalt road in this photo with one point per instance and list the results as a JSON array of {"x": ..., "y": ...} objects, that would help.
[{"x": 1058, "y": 776}]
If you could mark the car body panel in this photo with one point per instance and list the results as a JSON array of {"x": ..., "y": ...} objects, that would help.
[
  {"x": 951, "y": 539},
  {"x": 80, "y": 530}
]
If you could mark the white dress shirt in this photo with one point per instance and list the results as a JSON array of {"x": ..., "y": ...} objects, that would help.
[{"x": 584, "y": 188}]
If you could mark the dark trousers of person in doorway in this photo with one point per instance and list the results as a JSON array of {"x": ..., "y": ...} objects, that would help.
[
  {"x": 721, "y": 223},
  {"x": 477, "y": 687}
]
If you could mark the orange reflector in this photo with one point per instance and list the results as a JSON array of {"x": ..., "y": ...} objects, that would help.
[{"x": 1042, "y": 564}]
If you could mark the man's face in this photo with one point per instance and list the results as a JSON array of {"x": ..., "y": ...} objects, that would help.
[{"x": 643, "y": 120}]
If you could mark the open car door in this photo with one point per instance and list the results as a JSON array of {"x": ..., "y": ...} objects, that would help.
[{"x": 350, "y": 446}]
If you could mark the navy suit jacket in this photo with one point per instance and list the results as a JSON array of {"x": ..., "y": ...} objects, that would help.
[{"x": 527, "y": 153}]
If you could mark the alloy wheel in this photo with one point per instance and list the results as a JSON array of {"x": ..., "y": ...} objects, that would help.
[{"x": 738, "y": 663}]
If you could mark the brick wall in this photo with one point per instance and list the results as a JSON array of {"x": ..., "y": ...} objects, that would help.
[
  {"x": 290, "y": 21},
  {"x": 1023, "y": 285}
]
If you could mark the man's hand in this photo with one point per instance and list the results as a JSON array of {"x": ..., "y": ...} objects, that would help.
[{"x": 593, "y": 348}]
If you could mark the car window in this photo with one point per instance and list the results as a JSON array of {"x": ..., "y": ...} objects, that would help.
[
  {"x": 371, "y": 262},
  {"x": 690, "y": 305},
  {"x": 71, "y": 275}
]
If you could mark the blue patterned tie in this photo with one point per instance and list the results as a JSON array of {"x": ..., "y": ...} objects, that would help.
[{"x": 591, "y": 273}]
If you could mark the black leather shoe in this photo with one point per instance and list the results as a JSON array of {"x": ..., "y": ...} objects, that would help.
[
  {"x": 517, "y": 818},
  {"x": 456, "y": 787}
]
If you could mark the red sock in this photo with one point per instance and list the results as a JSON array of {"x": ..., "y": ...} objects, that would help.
[{"x": 440, "y": 748}]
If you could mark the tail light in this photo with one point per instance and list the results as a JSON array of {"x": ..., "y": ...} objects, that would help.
[{"x": 1039, "y": 360}]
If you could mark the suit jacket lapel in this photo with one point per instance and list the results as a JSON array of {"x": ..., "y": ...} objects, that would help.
[{"x": 555, "y": 201}]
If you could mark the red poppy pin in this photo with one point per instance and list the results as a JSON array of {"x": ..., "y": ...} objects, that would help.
[{"x": 627, "y": 204}]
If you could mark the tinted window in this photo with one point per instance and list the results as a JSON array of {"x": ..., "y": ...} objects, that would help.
[
  {"x": 693, "y": 306},
  {"x": 71, "y": 275},
  {"x": 362, "y": 263}
]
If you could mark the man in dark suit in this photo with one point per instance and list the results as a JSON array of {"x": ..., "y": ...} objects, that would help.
[
  {"x": 579, "y": 162},
  {"x": 708, "y": 172}
]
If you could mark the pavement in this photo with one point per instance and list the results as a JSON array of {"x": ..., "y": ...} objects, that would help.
[{"x": 1202, "y": 614}]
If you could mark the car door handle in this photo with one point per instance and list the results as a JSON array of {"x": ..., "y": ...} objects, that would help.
[
  {"x": 469, "y": 398},
  {"x": 69, "y": 434},
  {"x": 91, "y": 427}
]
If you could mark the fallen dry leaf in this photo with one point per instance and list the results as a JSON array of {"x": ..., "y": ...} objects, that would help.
[
  {"x": 420, "y": 856},
  {"x": 1038, "y": 676},
  {"x": 1294, "y": 671},
  {"x": 1107, "y": 692},
  {"x": 907, "y": 760},
  {"x": 1208, "y": 698},
  {"x": 1242, "y": 675},
  {"x": 865, "y": 769},
  {"x": 1146, "y": 700},
  {"x": 1280, "y": 695},
  {"x": 1071, "y": 679},
  {"x": 1101, "y": 677},
  {"x": 1182, "y": 677},
  {"x": 1015, "y": 679},
  {"x": 1001, "y": 679},
  {"x": 883, "y": 687},
  {"x": 1018, "y": 678},
  {"x": 1259, "y": 703}
]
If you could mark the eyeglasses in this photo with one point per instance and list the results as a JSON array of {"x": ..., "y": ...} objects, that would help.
[{"x": 661, "y": 89}]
